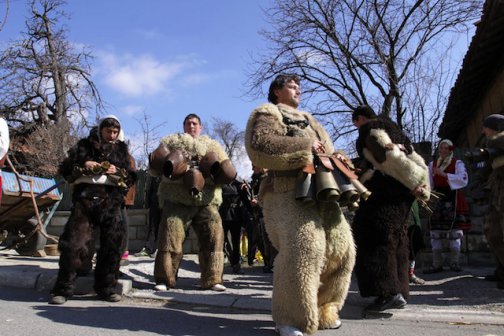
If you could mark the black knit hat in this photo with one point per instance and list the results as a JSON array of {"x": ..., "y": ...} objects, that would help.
[{"x": 494, "y": 122}]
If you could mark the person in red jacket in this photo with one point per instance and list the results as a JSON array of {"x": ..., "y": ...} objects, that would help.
[{"x": 448, "y": 176}]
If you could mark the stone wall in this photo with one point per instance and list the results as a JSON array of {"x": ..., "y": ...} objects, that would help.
[{"x": 137, "y": 230}]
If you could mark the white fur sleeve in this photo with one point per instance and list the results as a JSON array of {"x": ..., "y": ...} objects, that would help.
[{"x": 410, "y": 170}]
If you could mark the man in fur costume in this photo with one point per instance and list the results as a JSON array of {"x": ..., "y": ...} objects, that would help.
[
  {"x": 99, "y": 170},
  {"x": 395, "y": 175},
  {"x": 316, "y": 252},
  {"x": 183, "y": 207},
  {"x": 493, "y": 129}
]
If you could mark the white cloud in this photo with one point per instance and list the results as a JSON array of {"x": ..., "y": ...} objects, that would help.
[
  {"x": 131, "y": 109},
  {"x": 144, "y": 75},
  {"x": 195, "y": 79},
  {"x": 141, "y": 76}
]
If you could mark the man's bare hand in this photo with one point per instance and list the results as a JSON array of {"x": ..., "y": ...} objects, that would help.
[
  {"x": 318, "y": 147},
  {"x": 420, "y": 191},
  {"x": 91, "y": 164}
]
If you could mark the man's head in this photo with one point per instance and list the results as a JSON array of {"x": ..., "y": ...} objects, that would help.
[
  {"x": 109, "y": 129},
  {"x": 362, "y": 114},
  {"x": 285, "y": 89},
  {"x": 493, "y": 124},
  {"x": 192, "y": 125}
]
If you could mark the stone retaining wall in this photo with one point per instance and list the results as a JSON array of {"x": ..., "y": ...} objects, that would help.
[{"x": 137, "y": 230}]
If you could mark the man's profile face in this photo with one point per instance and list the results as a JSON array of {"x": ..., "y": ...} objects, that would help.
[
  {"x": 359, "y": 121},
  {"x": 290, "y": 94},
  {"x": 192, "y": 127},
  {"x": 488, "y": 132}
]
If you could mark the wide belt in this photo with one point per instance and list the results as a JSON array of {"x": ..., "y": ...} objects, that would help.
[{"x": 284, "y": 173}]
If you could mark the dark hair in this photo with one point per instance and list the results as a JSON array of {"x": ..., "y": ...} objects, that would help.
[
  {"x": 110, "y": 122},
  {"x": 191, "y": 116},
  {"x": 278, "y": 83},
  {"x": 363, "y": 110},
  {"x": 494, "y": 122}
]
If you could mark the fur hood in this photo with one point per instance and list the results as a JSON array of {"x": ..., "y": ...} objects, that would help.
[{"x": 279, "y": 137}]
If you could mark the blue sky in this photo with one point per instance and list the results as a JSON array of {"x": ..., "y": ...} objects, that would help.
[{"x": 167, "y": 58}]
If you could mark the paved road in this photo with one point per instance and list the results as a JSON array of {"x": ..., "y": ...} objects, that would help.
[{"x": 447, "y": 297}]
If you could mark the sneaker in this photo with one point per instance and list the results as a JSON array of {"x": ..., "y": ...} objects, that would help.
[
  {"x": 161, "y": 287},
  {"x": 413, "y": 279},
  {"x": 455, "y": 267},
  {"x": 58, "y": 300},
  {"x": 288, "y": 331},
  {"x": 112, "y": 297},
  {"x": 143, "y": 253},
  {"x": 124, "y": 259},
  {"x": 125, "y": 255},
  {"x": 218, "y": 288},
  {"x": 432, "y": 270},
  {"x": 336, "y": 325},
  {"x": 390, "y": 302}
]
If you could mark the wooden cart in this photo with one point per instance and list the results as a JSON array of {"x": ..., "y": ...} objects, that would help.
[{"x": 28, "y": 204}]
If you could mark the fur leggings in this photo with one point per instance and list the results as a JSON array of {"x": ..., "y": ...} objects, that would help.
[{"x": 94, "y": 207}]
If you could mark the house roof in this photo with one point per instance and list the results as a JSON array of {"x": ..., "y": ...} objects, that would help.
[{"x": 483, "y": 62}]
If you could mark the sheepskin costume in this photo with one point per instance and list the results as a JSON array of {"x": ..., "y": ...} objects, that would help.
[
  {"x": 380, "y": 223},
  {"x": 180, "y": 209},
  {"x": 316, "y": 251}
]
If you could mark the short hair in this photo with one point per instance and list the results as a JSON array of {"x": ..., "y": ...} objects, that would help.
[
  {"x": 363, "y": 110},
  {"x": 494, "y": 122},
  {"x": 110, "y": 122},
  {"x": 278, "y": 83},
  {"x": 191, "y": 116}
]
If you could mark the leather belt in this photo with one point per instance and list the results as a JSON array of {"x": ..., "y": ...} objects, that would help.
[{"x": 284, "y": 173}]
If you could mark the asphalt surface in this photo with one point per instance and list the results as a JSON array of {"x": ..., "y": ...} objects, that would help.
[{"x": 459, "y": 298}]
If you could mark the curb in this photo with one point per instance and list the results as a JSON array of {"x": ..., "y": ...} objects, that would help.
[{"x": 252, "y": 291}]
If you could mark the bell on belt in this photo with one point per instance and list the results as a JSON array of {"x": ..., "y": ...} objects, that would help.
[
  {"x": 305, "y": 188},
  {"x": 363, "y": 191},
  {"x": 175, "y": 165},
  {"x": 194, "y": 181},
  {"x": 326, "y": 188},
  {"x": 353, "y": 206},
  {"x": 157, "y": 159},
  {"x": 349, "y": 193}
]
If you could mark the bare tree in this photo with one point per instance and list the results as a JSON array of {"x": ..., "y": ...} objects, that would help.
[
  {"x": 150, "y": 139},
  {"x": 352, "y": 52},
  {"x": 46, "y": 81},
  {"x": 229, "y": 135},
  {"x": 44, "y": 78},
  {"x": 233, "y": 140},
  {"x": 7, "y": 7}
]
